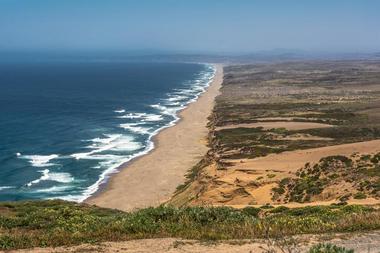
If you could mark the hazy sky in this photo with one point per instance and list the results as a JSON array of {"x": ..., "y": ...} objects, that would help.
[{"x": 192, "y": 25}]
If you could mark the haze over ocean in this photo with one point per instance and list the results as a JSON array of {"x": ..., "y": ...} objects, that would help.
[
  {"x": 190, "y": 26},
  {"x": 66, "y": 125}
]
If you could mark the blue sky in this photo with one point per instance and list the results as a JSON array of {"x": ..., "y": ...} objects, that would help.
[{"x": 191, "y": 26}]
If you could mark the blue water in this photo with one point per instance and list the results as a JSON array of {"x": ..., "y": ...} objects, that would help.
[{"x": 65, "y": 127}]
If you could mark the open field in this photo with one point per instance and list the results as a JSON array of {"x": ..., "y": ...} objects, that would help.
[{"x": 273, "y": 120}]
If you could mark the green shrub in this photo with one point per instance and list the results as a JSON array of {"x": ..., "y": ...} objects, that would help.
[
  {"x": 266, "y": 206},
  {"x": 279, "y": 209},
  {"x": 360, "y": 195},
  {"x": 329, "y": 248},
  {"x": 251, "y": 211},
  {"x": 278, "y": 190},
  {"x": 308, "y": 210},
  {"x": 326, "y": 161},
  {"x": 375, "y": 158}
]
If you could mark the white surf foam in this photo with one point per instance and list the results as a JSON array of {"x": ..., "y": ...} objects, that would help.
[
  {"x": 173, "y": 104},
  {"x": 40, "y": 160},
  {"x": 120, "y": 111},
  {"x": 103, "y": 157},
  {"x": 109, "y": 138},
  {"x": 153, "y": 117},
  {"x": 132, "y": 116},
  {"x": 176, "y": 98},
  {"x": 142, "y": 116},
  {"x": 55, "y": 189},
  {"x": 171, "y": 111},
  {"x": 134, "y": 127},
  {"x": 6, "y": 187},
  {"x": 110, "y": 142},
  {"x": 61, "y": 177}
]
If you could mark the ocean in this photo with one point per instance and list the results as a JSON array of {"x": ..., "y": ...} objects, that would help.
[{"x": 67, "y": 126}]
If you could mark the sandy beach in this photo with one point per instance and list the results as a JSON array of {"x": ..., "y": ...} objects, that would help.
[{"x": 151, "y": 179}]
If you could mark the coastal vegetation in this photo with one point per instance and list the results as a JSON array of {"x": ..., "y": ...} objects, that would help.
[
  {"x": 283, "y": 133},
  {"x": 28, "y": 224}
]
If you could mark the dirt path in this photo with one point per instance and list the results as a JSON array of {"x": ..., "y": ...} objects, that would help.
[{"x": 361, "y": 243}]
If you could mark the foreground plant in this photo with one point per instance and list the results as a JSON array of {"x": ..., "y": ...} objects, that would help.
[{"x": 56, "y": 223}]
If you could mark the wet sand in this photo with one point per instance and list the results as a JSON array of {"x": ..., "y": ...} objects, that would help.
[{"x": 152, "y": 179}]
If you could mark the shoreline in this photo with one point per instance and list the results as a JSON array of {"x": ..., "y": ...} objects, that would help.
[{"x": 151, "y": 179}]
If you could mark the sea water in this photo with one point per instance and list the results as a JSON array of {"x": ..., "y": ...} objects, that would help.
[{"x": 66, "y": 126}]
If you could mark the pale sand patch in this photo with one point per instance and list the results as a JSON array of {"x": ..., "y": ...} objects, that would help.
[
  {"x": 263, "y": 194},
  {"x": 275, "y": 119},
  {"x": 289, "y": 125},
  {"x": 360, "y": 242},
  {"x": 304, "y": 137},
  {"x": 151, "y": 179},
  {"x": 291, "y": 161},
  {"x": 307, "y": 113}
]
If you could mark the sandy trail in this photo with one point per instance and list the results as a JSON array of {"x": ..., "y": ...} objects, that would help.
[{"x": 152, "y": 179}]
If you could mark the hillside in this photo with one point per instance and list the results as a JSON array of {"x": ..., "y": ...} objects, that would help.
[{"x": 274, "y": 123}]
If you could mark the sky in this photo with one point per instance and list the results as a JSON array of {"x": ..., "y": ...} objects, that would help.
[{"x": 238, "y": 26}]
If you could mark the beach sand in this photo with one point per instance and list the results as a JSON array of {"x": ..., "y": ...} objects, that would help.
[{"x": 152, "y": 179}]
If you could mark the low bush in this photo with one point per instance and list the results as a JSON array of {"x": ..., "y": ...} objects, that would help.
[{"x": 360, "y": 195}]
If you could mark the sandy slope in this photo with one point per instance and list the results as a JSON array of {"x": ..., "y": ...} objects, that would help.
[
  {"x": 151, "y": 179},
  {"x": 250, "y": 181},
  {"x": 291, "y": 161}
]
